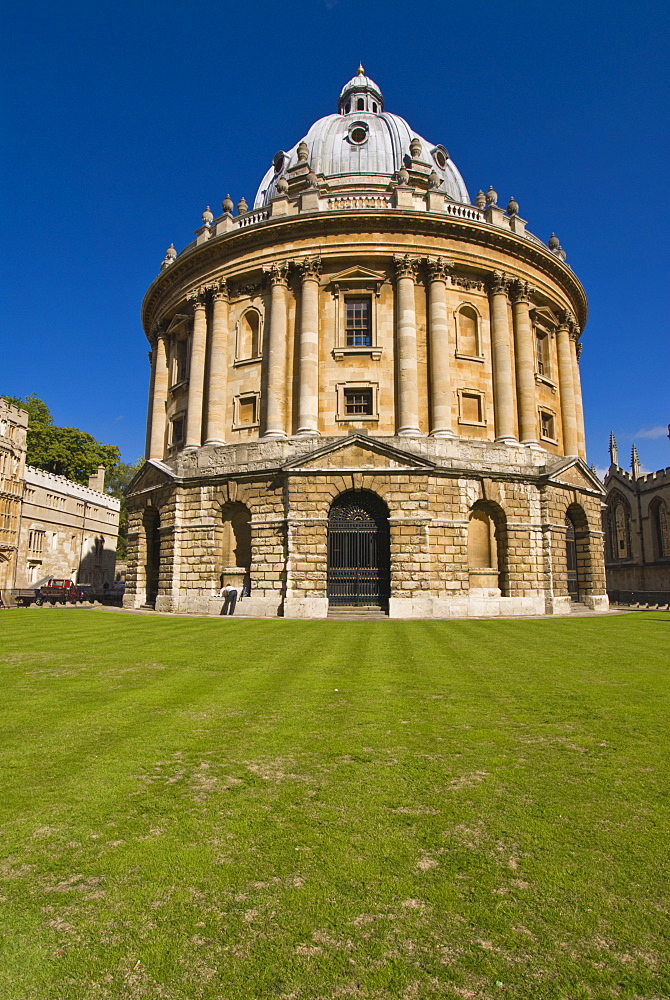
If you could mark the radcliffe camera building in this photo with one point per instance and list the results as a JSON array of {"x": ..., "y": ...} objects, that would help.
[{"x": 365, "y": 391}]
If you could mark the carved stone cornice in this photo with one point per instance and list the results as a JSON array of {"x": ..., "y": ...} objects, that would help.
[
  {"x": 470, "y": 284},
  {"x": 310, "y": 269},
  {"x": 520, "y": 291},
  {"x": 497, "y": 283},
  {"x": 277, "y": 274},
  {"x": 197, "y": 261},
  {"x": 248, "y": 290},
  {"x": 405, "y": 266},
  {"x": 439, "y": 268}
]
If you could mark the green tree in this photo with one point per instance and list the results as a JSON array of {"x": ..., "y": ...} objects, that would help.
[{"x": 65, "y": 451}]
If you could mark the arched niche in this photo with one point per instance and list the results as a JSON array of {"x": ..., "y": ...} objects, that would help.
[
  {"x": 578, "y": 556},
  {"x": 618, "y": 527},
  {"x": 249, "y": 328},
  {"x": 234, "y": 545},
  {"x": 487, "y": 547},
  {"x": 468, "y": 331}
]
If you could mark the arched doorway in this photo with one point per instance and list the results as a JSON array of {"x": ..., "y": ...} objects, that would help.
[
  {"x": 152, "y": 524},
  {"x": 358, "y": 551},
  {"x": 571, "y": 559},
  {"x": 235, "y": 546}
]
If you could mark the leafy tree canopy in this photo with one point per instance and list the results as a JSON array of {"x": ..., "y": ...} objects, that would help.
[{"x": 65, "y": 451}]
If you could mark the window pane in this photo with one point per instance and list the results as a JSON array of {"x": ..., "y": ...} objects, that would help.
[
  {"x": 359, "y": 331},
  {"x": 358, "y": 401}
]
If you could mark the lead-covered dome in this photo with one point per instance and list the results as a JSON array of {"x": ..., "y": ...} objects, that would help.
[{"x": 363, "y": 148}]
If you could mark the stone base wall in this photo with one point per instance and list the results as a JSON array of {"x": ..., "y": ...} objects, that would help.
[{"x": 429, "y": 512}]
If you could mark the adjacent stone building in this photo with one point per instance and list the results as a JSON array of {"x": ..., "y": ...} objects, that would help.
[
  {"x": 365, "y": 390},
  {"x": 67, "y": 530},
  {"x": 637, "y": 531},
  {"x": 13, "y": 430}
]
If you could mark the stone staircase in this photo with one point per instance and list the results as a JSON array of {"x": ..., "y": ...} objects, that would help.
[{"x": 366, "y": 613}]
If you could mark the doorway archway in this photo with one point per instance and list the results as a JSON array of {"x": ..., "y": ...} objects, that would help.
[
  {"x": 358, "y": 551},
  {"x": 571, "y": 559},
  {"x": 152, "y": 524}
]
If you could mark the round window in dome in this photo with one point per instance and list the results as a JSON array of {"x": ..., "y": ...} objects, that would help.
[
  {"x": 278, "y": 161},
  {"x": 358, "y": 133},
  {"x": 440, "y": 155}
]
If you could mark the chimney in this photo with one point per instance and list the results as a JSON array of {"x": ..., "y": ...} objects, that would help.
[{"x": 97, "y": 480}]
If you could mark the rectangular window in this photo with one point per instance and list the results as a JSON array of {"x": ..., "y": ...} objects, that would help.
[
  {"x": 36, "y": 542},
  {"x": 541, "y": 354},
  {"x": 177, "y": 435},
  {"x": 471, "y": 408},
  {"x": 180, "y": 361},
  {"x": 547, "y": 425},
  {"x": 359, "y": 322},
  {"x": 357, "y": 402},
  {"x": 247, "y": 410}
]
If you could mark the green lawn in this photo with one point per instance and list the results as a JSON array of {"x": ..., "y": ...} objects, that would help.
[{"x": 238, "y": 810}]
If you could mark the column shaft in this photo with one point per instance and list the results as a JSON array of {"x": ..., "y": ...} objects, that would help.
[
  {"x": 567, "y": 391},
  {"x": 440, "y": 375},
  {"x": 196, "y": 377},
  {"x": 408, "y": 390},
  {"x": 524, "y": 350},
  {"x": 275, "y": 413},
  {"x": 218, "y": 369},
  {"x": 308, "y": 404},
  {"x": 159, "y": 391},
  {"x": 579, "y": 408},
  {"x": 503, "y": 394}
]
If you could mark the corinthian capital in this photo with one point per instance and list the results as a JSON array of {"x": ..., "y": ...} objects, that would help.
[
  {"x": 520, "y": 291},
  {"x": 438, "y": 268},
  {"x": 219, "y": 290},
  {"x": 497, "y": 282},
  {"x": 405, "y": 266},
  {"x": 310, "y": 268},
  {"x": 196, "y": 297},
  {"x": 277, "y": 273},
  {"x": 566, "y": 319}
]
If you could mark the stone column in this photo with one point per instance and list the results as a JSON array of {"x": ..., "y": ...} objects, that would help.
[
  {"x": 196, "y": 375},
  {"x": 503, "y": 379},
  {"x": 218, "y": 366},
  {"x": 524, "y": 351},
  {"x": 440, "y": 353},
  {"x": 308, "y": 386},
  {"x": 408, "y": 388},
  {"x": 576, "y": 350},
  {"x": 275, "y": 411},
  {"x": 566, "y": 385},
  {"x": 159, "y": 391}
]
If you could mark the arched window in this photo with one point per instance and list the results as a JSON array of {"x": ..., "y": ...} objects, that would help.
[
  {"x": 467, "y": 332},
  {"x": 660, "y": 527},
  {"x": 249, "y": 336},
  {"x": 619, "y": 527},
  {"x": 360, "y": 104}
]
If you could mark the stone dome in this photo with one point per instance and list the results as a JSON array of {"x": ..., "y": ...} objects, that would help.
[{"x": 362, "y": 148}]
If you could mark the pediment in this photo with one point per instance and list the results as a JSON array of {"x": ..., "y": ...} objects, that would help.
[
  {"x": 152, "y": 474},
  {"x": 357, "y": 453},
  {"x": 574, "y": 472},
  {"x": 177, "y": 323},
  {"x": 358, "y": 275}
]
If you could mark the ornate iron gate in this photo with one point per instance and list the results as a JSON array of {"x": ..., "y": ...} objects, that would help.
[
  {"x": 358, "y": 551},
  {"x": 571, "y": 557}
]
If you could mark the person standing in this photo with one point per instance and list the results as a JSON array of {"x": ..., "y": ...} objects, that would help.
[{"x": 229, "y": 595}]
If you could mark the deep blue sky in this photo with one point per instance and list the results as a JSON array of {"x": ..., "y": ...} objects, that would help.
[{"x": 121, "y": 121}]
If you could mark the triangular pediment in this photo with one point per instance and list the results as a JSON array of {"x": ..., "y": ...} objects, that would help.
[
  {"x": 358, "y": 452},
  {"x": 152, "y": 474},
  {"x": 358, "y": 274},
  {"x": 177, "y": 323},
  {"x": 574, "y": 472}
]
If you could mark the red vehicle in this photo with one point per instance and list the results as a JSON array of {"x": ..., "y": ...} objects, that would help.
[{"x": 57, "y": 590}]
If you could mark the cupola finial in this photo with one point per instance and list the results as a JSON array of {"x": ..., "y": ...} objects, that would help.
[{"x": 361, "y": 71}]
